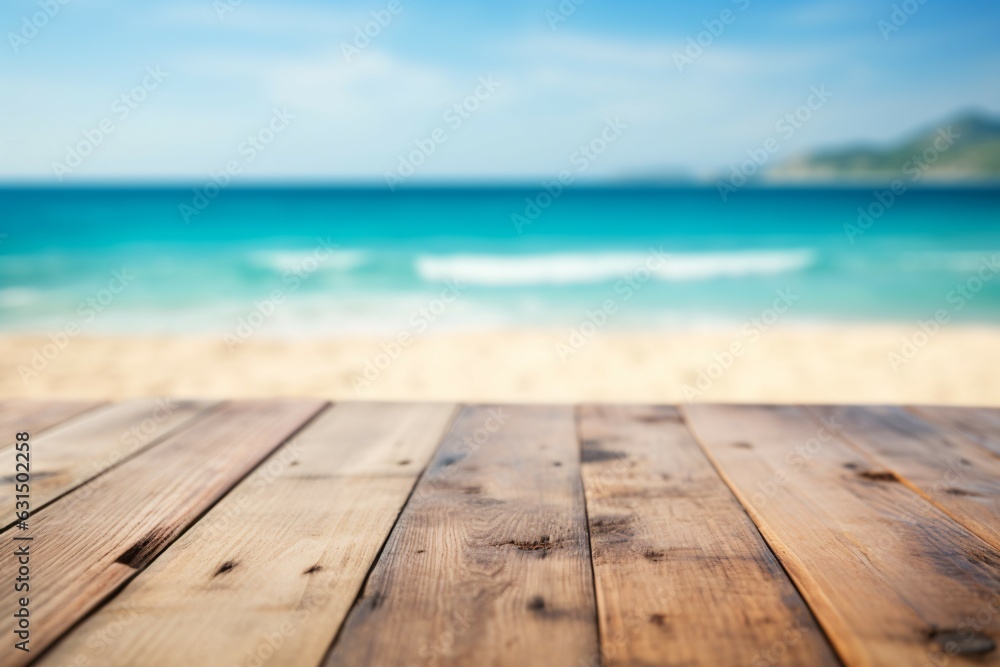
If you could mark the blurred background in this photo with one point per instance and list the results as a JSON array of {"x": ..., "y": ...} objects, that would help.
[{"x": 535, "y": 201}]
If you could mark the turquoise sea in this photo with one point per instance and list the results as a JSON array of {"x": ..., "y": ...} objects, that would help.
[{"x": 366, "y": 260}]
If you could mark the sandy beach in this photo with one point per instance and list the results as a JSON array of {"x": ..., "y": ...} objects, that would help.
[{"x": 814, "y": 365}]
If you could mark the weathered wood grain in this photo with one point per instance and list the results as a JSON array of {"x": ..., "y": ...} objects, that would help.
[
  {"x": 83, "y": 550},
  {"x": 682, "y": 575},
  {"x": 489, "y": 563},
  {"x": 891, "y": 579},
  {"x": 271, "y": 571},
  {"x": 957, "y": 475},
  {"x": 35, "y": 416},
  {"x": 67, "y": 455},
  {"x": 980, "y": 425}
]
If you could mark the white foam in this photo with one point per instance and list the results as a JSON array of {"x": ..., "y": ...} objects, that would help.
[
  {"x": 703, "y": 266},
  {"x": 292, "y": 260},
  {"x": 582, "y": 268},
  {"x": 13, "y": 297},
  {"x": 955, "y": 261}
]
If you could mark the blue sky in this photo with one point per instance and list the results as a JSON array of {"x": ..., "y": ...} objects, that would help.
[{"x": 229, "y": 65}]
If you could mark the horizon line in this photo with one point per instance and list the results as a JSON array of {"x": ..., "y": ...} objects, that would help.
[{"x": 493, "y": 184}]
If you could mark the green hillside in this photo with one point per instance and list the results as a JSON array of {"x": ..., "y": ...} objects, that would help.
[{"x": 970, "y": 152}]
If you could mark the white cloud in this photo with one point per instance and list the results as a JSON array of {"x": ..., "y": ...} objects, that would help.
[
  {"x": 353, "y": 119},
  {"x": 587, "y": 49}
]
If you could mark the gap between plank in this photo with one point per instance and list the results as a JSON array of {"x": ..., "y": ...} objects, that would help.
[
  {"x": 878, "y": 463},
  {"x": 682, "y": 410},
  {"x": 590, "y": 543},
  {"x": 456, "y": 411},
  {"x": 118, "y": 589},
  {"x": 883, "y": 462},
  {"x": 917, "y": 411},
  {"x": 83, "y": 413},
  {"x": 180, "y": 428}
]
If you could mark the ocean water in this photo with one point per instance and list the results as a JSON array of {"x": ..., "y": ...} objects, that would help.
[{"x": 316, "y": 261}]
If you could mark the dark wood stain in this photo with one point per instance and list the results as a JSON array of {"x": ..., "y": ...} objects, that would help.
[
  {"x": 610, "y": 523},
  {"x": 225, "y": 567},
  {"x": 963, "y": 642},
  {"x": 952, "y": 491},
  {"x": 142, "y": 552},
  {"x": 448, "y": 461},
  {"x": 600, "y": 455},
  {"x": 879, "y": 475},
  {"x": 541, "y": 544},
  {"x": 662, "y": 417}
]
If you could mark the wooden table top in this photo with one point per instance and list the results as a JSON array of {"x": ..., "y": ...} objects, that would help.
[{"x": 294, "y": 532}]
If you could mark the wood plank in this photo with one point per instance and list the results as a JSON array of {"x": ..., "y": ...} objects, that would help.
[
  {"x": 958, "y": 476},
  {"x": 678, "y": 564},
  {"x": 489, "y": 562},
  {"x": 891, "y": 579},
  {"x": 980, "y": 425},
  {"x": 273, "y": 568},
  {"x": 83, "y": 551},
  {"x": 68, "y": 455},
  {"x": 35, "y": 416}
]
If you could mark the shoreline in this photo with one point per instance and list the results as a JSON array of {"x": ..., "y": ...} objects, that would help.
[{"x": 832, "y": 364}]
